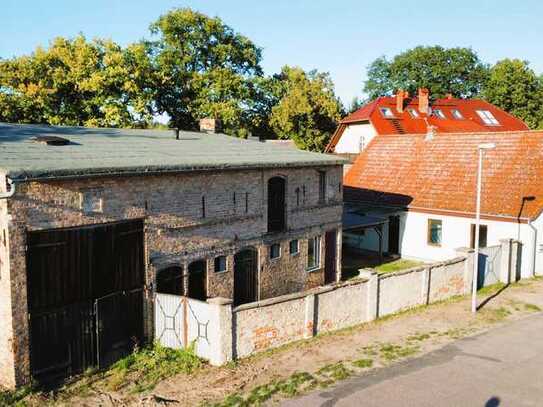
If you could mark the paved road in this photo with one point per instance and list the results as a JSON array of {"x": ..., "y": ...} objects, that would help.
[{"x": 502, "y": 367}]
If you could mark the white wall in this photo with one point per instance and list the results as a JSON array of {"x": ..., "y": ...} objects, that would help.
[
  {"x": 355, "y": 138},
  {"x": 456, "y": 233}
]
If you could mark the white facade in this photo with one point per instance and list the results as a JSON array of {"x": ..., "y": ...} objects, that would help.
[
  {"x": 355, "y": 138},
  {"x": 456, "y": 233}
]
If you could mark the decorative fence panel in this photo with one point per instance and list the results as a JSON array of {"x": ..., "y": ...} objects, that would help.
[{"x": 489, "y": 265}]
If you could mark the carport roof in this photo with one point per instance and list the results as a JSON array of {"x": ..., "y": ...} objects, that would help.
[{"x": 106, "y": 151}]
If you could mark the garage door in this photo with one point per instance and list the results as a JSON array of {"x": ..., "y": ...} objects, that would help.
[{"x": 85, "y": 297}]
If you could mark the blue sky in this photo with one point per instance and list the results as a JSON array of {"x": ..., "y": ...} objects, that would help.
[{"x": 340, "y": 37}]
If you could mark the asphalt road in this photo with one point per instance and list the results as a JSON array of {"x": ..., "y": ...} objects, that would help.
[{"x": 502, "y": 367}]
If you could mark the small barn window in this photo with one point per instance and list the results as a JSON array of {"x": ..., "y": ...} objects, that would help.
[
  {"x": 170, "y": 281},
  {"x": 203, "y": 207},
  {"x": 322, "y": 186},
  {"x": 275, "y": 251},
  {"x": 246, "y": 202},
  {"x": 294, "y": 247},
  {"x": 313, "y": 253},
  {"x": 435, "y": 232},
  {"x": 220, "y": 264},
  {"x": 298, "y": 196}
]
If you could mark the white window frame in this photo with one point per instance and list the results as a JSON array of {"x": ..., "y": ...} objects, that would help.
[
  {"x": 488, "y": 118},
  {"x": 279, "y": 253},
  {"x": 457, "y": 114},
  {"x": 439, "y": 114},
  {"x": 316, "y": 242},
  {"x": 387, "y": 112}
]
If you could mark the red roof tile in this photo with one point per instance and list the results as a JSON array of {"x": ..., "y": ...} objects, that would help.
[
  {"x": 405, "y": 123},
  {"x": 440, "y": 174}
]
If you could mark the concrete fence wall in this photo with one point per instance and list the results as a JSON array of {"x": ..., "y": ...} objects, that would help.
[{"x": 235, "y": 332}]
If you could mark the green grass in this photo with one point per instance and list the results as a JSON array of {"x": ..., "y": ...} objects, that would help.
[
  {"x": 14, "y": 397},
  {"x": 363, "y": 363},
  {"x": 532, "y": 307},
  {"x": 390, "y": 352},
  {"x": 143, "y": 369},
  {"x": 491, "y": 289},
  {"x": 397, "y": 265}
]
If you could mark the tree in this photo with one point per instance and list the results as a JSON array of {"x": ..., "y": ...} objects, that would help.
[
  {"x": 77, "y": 82},
  {"x": 307, "y": 110},
  {"x": 356, "y": 104},
  {"x": 442, "y": 70},
  {"x": 513, "y": 86},
  {"x": 204, "y": 69}
]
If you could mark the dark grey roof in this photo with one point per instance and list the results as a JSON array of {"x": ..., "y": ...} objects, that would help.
[{"x": 99, "y": 151}]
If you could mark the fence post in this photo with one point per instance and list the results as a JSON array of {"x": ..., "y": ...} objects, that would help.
[
  {"x": 469, "y": 254},
  {"x": 515, "y": 264},
  {"x": 223, "y": 351},
  {"x": 506, "y": 272},
  {"x": 309, "y": 326},
  {"x": 372, "y": 305},
  {"x": 425, "y": 289}
]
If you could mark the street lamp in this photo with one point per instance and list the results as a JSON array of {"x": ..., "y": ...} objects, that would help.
[{"x": 481, "y": 148}]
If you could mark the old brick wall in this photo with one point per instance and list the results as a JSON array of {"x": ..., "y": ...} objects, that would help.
[{"x": 187, "y": 217}]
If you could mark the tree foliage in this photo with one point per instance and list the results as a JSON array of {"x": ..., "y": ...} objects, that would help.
[
  {"x": 204, "y": 69},
  {"x": 442, "y": 70},
  {"x": 77, "y": 82},
  {"x": 513, "y": 86},
  {"x": 307, "y": 110}
]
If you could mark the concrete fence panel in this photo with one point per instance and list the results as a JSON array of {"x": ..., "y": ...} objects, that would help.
[
  {"x": 446, "y": 280},
  {"x": 399, "y": 291}
]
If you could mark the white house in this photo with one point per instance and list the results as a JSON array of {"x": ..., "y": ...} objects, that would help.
[{"x": 424, "y": 191}]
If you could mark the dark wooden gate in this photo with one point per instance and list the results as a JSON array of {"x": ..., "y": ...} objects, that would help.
[
  {"x": 245, "y": 276},
  {"x": 330, "y": 261},
  {"x": 393, "y": 235},
  {"x": 198, "y": 280},
  {"x": 72, "y": 274},
  {"x": 276, "y": 204}
]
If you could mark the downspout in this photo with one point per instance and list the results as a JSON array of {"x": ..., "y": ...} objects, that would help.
[
  {"x": 11, "y": 191},
  {"x": 534, "y": 242}
]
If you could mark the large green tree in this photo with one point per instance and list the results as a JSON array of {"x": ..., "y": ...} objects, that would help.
[
  {"x": 307, "y": 110},
  {"x": 77, "y": 82},
  {"x": 513, "y": 86},
  {"x": 203, "y": 69},
  {"x": 457, "y": 71}
]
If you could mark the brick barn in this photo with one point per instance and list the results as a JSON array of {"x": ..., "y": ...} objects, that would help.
[{"x": 94, "y": 221}]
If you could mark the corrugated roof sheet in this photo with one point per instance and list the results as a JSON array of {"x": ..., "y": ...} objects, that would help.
[
  {"x": 409, "y": 171},
  {"x": 100, "y": 151}
]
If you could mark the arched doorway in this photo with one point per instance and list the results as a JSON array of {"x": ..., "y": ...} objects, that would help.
[
  {"x": 198, "y": 280},
  {"x": 245, "y": 276},
  {"x": 276, "y": 204},
  {"x": 170, "y": 281}
]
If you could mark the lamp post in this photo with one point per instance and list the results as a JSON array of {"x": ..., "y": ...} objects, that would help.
[{"x": 481, "y": 148}]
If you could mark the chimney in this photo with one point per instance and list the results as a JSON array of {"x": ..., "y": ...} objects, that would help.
[
  {"x": 209, "y": 125},
  {"x": 401, "y": 95},
  {"x": 424, "y": 102}
]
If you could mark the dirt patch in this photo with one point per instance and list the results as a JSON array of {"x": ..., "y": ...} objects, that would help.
[{"x": 321, "y": 361}]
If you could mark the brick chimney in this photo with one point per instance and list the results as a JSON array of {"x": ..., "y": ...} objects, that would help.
[
  {"x": 210, "y": 125},
  {"x": 401, "y": 95},
  {"x": 424, "y": 100}
]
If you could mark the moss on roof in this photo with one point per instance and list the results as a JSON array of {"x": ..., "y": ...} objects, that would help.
[{"x": 100, "y": 151}]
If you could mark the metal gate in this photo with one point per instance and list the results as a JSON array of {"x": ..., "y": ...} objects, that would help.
[{"x": 85, "y": 297}]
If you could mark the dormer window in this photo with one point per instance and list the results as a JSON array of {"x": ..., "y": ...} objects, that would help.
[
  {"x": 488, "y": 118},
  {"x": 414, "y": 114},
  {"x": 387, "y": 112},
  {"x": 439, "y": 114},
  {"x": 456, "y": 114}
]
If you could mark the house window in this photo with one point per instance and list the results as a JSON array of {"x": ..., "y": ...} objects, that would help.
[
  {"x": 275, "y": 251},
  {"x": 414, "y": 114},
  {"x": 488, "y": 118},
  {"x": 387, "y": 112},
  {"x": 434, "y": 232},
  {"x": 293, "y": 247},
  {"x": 456, "y": 114},
  {"x": 322, "y": 186},
  {"x": 314, "y": 253},
  {"x": 220, "y": 264},
  {"x": 439, "y": 114},
  {"x": 483, "y": 233}
]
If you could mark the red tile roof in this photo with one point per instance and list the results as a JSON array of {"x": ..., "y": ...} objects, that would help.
[
  {"x": 405, "y": 123},
  {"x": 440, "y": 174}
]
